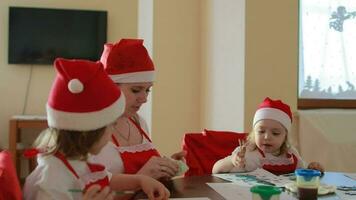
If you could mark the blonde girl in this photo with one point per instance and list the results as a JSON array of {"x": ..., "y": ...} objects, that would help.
[{"x": 267, "y": 145}]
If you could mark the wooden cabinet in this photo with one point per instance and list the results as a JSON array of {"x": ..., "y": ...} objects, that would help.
[{"x": 17, "y": 124}]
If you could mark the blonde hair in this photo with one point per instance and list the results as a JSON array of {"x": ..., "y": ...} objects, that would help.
[
  {"x": 252, "y": 144},
  {"x": 73, "y": 144}
]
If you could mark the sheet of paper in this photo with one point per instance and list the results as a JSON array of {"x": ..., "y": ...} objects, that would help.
[
  {"x": 257, "y": 177},
  {"x": 195, "y": 198},
  {"x": 232, "y": 191},
  {"x": 351, "y": 175},
  {"x": 343, "y": 196},
  {"x": 198, "y": 198}
]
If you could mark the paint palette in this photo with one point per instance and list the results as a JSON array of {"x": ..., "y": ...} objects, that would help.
[{"x": 322, "y": 190}]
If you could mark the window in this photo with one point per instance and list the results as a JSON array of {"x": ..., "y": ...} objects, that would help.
[{"x": 327, "y": 61}]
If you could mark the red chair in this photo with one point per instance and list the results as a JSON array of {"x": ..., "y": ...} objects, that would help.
[
  {"x": 204, "y": 149},
  {"x": 9, "y": 184}
]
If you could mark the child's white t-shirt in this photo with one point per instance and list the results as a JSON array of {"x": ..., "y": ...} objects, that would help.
[
  {"x": 255, "y": 160},
  {"x": 51, "y": 179}
]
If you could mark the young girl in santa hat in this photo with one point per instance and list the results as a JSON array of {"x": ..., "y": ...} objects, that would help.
[
  {"x": 131, "y": 149},
  {"x": 82, "y": 103},
  {"x": 267, "y": 145}
]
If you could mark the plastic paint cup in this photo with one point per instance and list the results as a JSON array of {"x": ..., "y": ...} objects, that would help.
[{"x": 264, "y": 192}]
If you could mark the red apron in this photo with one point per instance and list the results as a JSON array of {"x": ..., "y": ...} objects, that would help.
[
  {"x": 279, "y": 169},
  {"x": 133, "y": 161},
  {"x": 94, "y": 168}
]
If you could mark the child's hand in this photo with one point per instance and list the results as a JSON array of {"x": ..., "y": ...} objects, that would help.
[
  {"x": 153, "y": 188},
  {"x": 316, "y": 166},
  {"x": 94, "y": 193},
  {"x": 238, "y": 160}
]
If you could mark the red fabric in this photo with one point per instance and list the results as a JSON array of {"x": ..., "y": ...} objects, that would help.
[
  {"x": 281, "y": 169},
  {"x": 126, "y": 56},
  {"x": 102, "y": 182},
  {"x": 91, "y": 99},
  {"x": 31, "y": 153},
  {"x": 92, "y": 167},
  {"x": 9, "y": 184},
  {"x": 277, "y": 104},
  {"x": 134, "y": 161},
  {"x": 204, "y": 149}
]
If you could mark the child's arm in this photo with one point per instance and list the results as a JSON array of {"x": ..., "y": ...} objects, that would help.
[
  {"x": 301, "y": 163},
  {"x": 152, "y": 188},
  {"x": 94, "y": 193},
  {"x": 223, "y": 165},
  {"x": 235, "y": 162}
]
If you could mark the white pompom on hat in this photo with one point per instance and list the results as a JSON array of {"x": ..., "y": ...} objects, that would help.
[
  {"x": 275, "y": 110},
  {"x": 83, "y": 97},
  {"x": 128, "y": 62}
]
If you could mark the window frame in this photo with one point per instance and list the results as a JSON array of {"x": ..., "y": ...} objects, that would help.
[{"x": 326, "y": 103}]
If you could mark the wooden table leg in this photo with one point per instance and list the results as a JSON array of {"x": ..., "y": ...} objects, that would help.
[{"x": 13, "y": 140}]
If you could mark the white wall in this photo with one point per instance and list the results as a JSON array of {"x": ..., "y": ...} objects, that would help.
[
  {"x": 198, "y": 50},
  {"x": 176, "y": 96},
  {"x": 271, "y": 53},
  {"x": 223, "y": 64},
  {"x": 145, "y": 31},
  {"x": 14, "y": 79}
]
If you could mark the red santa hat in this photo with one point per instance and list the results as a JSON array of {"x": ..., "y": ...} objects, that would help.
[
  {"x": 128, "y": 62},
  {"x": 275, "y": 110},
  {"x": 83, "y": 97}
]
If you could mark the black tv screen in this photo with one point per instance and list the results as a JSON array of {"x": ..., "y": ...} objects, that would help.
[{"x": 39, "y": 35}]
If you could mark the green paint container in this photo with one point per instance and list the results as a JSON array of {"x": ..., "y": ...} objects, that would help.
[{"x": 264, "y": 192}]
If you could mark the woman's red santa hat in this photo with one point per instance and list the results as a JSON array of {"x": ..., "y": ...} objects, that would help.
[
  {"x": 83, "y": 97},
  {"x": 128, "y": 62},
  {"x": 275, "y": 110}
]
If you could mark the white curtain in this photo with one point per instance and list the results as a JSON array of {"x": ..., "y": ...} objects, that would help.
[{"x": 327, "y": 44}]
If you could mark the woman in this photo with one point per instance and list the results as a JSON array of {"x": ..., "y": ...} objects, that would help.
[{"x": 131, "y": 150}]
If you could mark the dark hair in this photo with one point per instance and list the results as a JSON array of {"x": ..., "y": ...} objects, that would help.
[{"x": 73, "y": 144}]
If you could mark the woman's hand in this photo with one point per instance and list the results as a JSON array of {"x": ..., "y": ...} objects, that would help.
[
  {"x": 316, "y": 166},
  {"x": 159, "y": 167},
  {"x": 153, "y": 188},
  {"x": 238, "y": 159},
  {"x": 94, "y": 193}
]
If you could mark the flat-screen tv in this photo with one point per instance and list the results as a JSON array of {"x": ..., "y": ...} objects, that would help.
[{"x": 39, "y": 35}]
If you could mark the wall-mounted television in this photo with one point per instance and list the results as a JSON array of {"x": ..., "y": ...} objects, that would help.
[{"x": 39, "y": 35}]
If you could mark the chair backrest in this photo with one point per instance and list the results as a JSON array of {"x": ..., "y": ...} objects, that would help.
[
  {"x": 9, "y": 184},
  {"x": 204, "y": 149}
]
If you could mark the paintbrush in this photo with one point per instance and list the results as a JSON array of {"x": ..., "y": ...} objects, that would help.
[{"x": 116, "y": 192}]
